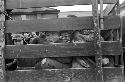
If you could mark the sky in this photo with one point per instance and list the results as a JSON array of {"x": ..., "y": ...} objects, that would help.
[{"x": 78, "y": 7}]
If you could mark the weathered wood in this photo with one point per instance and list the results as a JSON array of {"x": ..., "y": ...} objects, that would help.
[
  {"x": 12, "y": 4},
  {"x": 111, "y": 48},
  {"x": 60, "y": 50},
  {"x": 50, "y": 50},
  {"x": 2, "y": 42},
  {"x": 110, "y": 22},
  {"x": 97, "y": 41},
  {"x": 64, "y": 75},
  {"x": 101, "y": 14},
  {"x": 113, "y": 74},
  {"x": 49, "y": 24}
]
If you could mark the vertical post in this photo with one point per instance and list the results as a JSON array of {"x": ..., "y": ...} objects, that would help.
[
  {"x": 97, "y": 41},
  {"x": 2, "y": 43},
  {"x": 120, "y": 37},
  {"x": 101, "y": 14},
  {"x": 117, "y": 33}
]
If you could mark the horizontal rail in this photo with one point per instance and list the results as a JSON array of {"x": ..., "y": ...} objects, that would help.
[
  {"x": 51, "y": 50},
  {"x": 60, "y": 50},
  {"x": 64, "y": 75},
  {"x": 49, "y": 24},
  {"x": 110, "y": 22},
  {"x": 12, "y": 4},
  {"x": 111, "y": 48}
]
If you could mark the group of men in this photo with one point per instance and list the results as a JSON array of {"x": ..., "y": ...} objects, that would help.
[{"x": 57, "y": 62}]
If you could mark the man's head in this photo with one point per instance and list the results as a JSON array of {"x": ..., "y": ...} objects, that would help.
[
  {"x": 42, "y": 35},
  {"x": 53, "y": 37},
  {"x": 17, "y": 39}
]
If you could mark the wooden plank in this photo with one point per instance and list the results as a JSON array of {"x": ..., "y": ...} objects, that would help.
[
  {"x": 60, "y": 50},
  {"x": 113, "y": 74},
  {"x": 65, "y": 75},
  {"x": 110, "y": 22},
  {"x": 49, "y": 24},
  {"x": 111, "y": 48},
  {"x": 97, "y": 40},
  {"x": 50, "y": 50},
  {"x": 12, "y": 4},
  {"x": 2, "y": 42}
]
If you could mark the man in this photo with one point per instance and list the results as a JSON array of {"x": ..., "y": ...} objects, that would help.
[
  {"x": 84, "y": 61},
  {"x": 41, "y": 39},
  {"x": 54, "y": 62},
  {"x": 17, "y": 39},
  {"x": 11, "y": 64}
]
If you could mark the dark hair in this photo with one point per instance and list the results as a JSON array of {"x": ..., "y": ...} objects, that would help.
[
  {"x": 73, "y": 35},
  {"x": 41, "y": 35},
  {"x": 37, "y": 33}
]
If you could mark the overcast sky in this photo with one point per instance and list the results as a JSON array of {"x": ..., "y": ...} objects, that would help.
[{"x": 77, "y": 7}]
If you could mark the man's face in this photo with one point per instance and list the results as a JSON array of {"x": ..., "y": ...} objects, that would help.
[
  {"x": 65, "y": 36},
  {"x": 26, "y": 35},
  {"x": 53, "y": 37}
]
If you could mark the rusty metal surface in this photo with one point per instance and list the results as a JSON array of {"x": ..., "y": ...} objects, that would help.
[{"x": 66, "y": 75}]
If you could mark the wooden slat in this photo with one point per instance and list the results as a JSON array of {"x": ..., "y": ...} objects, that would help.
[
  {"x": 66, "y": 75},
  {"x": 49, "y": 24},
  {"x": 110, "y": 22},
  {"x": 60, "y": 50},
  {"x": 51, "y": 50},
  {"x": 111, "y": 48},
  {"x": 2, "y": 42},
  {"x": 12, "y": 4},
  {"x": 113, "y": 74}
]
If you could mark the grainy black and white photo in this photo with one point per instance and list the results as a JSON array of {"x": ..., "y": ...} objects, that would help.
[{"x": 62, "y": 40}]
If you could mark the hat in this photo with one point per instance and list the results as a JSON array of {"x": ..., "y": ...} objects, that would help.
[{"x": 17, "y": 36}]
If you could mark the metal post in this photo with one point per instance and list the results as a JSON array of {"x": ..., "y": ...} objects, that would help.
[
  {"x": 97, "y": 41},
  {"x": 2, "y": 43}
]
